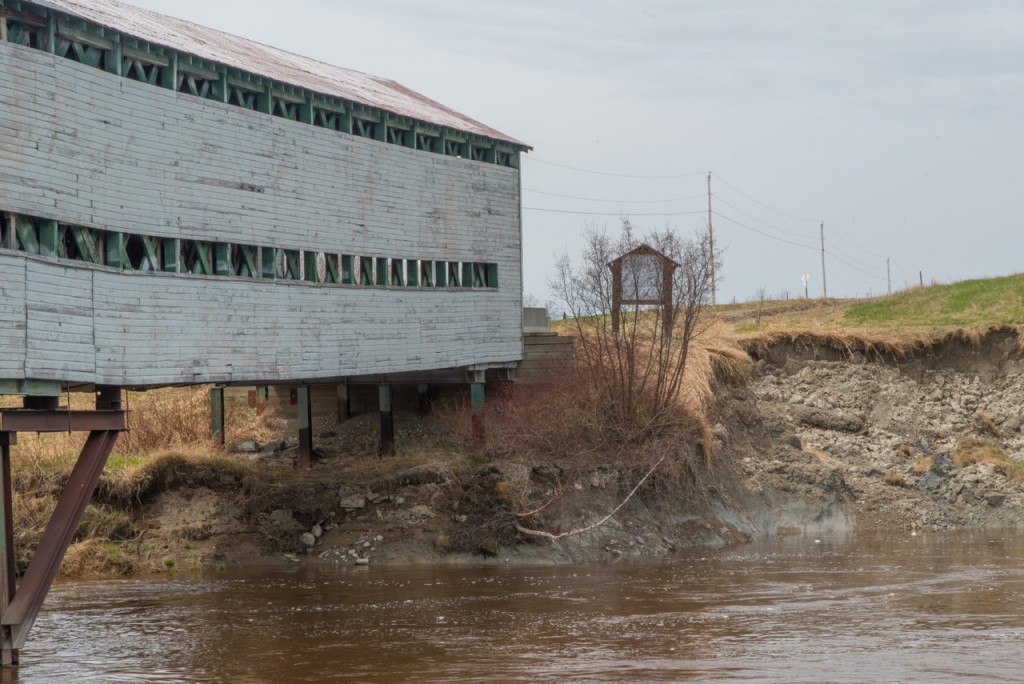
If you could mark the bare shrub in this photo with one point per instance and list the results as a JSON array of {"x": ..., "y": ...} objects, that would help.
[{"x": 634, "y": 363}]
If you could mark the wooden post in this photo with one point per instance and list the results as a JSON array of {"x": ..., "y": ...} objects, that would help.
[
  {"x": 424, "y": 396},
  {"x": 305, "y": 409},
  {"x": 476, "y": 393},
  {"x": 344, "y": 409},
  {"x": 387, "y": 422},
  {"x": 217, "y": 414}
]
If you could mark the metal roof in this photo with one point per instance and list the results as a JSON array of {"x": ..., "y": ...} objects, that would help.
[{"x": 270, "y": 62}]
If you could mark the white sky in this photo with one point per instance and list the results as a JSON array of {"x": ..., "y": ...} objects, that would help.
[{"x": 898, "y": 123}]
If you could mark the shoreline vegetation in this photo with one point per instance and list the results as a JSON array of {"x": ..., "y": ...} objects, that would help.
[{"x": 780, "y": 408}]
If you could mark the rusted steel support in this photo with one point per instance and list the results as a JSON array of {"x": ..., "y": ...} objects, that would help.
[
  {"x": 42, "y": 569},
  {"x": 387, "y": 421},
  {"x": 305, "y": 408},
  {"x": 61, "y": 420},
  {"x": 8, "y": 653},
  {"x": 20, "y": 605}
]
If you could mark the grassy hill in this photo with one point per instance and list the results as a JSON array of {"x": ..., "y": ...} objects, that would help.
[{"x": 979, "y": 304}]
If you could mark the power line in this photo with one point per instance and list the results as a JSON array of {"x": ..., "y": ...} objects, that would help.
[
  {"x": 761, "y": 232},
  {"x": 754, "y": 218},
  {"x": 615, "y": 175},
  {"x": 855, "y": 268},
  {"x": 853, "y": 259},
  {"x": 594, "y": 199},
  {"x": 625, "y": 214},
  {"x": 857, "y": 247},
  {"x": 762, "y": 204}
]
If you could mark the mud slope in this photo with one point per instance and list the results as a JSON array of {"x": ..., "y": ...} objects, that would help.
[{"x": 871, "y": 443}]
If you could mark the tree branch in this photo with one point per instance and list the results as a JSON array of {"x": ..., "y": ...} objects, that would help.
[{"x": 581, "y": 530}]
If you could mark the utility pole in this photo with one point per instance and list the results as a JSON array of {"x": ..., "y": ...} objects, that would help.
[
  {"x": 711, "y": 242},
  {"x": 888, "y": 275},
  {"x": 824, "y": 286}
]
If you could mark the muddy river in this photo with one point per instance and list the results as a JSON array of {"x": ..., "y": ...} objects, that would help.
[{"x": 855, "y": 608}]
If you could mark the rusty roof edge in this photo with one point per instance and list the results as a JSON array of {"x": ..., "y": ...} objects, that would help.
[{"x": 275, "y": 63}]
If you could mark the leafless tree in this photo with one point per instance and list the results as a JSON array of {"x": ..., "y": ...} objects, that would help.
[{"x": 635, "y": 369}]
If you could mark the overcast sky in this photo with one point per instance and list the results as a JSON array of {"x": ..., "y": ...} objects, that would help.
[{"x": 899, "y": 124}]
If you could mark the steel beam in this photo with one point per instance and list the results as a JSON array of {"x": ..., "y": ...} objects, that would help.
[
  {"x": 8, "y": 652},
  {"x": 61, "y": 420}
]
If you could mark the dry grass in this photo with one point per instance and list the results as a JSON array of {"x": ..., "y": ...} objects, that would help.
[
  {"x": 894, "y": 480},
  {"x": 874, "y": 346},
  {"x": 986, "y": 424},
  {"x": 168, "y": 436},
  {"x": 971, "y": 450},
  {"x": 822, "y": 457},
  {"x": 922, "y": 465}
]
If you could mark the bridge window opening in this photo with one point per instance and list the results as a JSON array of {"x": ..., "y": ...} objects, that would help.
[
  {"x": 147, "y": 253},
  {"x": 347, "y": 275},
  {"x": 144, "y": 254},
  {"x": 196, "y": 257},
  {"x": 20, "y": 33},
  {"x": 330, "y": 273},
  {"x": 366, "y": 271},
  {"x": 137, "y": 70},
  {"x": 396, "y": 277},
  {"x": 244, "y": 262},
  {"x": 268, "y": 262},
  {"x": 83, "y": 244}
]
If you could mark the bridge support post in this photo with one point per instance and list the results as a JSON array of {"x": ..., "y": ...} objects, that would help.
[
  {"x": 217, "y": 414},
  {"x": 476, "y": 394},
  {"x": 305, "y": 406},
  {"x": 8, "y": 654},
  {"x": 344, "y": 408},
  {"x": 20, "y": 605},
  {"x": 424, "y": 396},
  {"x": 387, "y": 421}
]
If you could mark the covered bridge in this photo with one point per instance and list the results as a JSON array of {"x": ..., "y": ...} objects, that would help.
[{"x": 182, "y": 206}]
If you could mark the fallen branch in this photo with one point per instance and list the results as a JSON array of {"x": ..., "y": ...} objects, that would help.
[
  {"x": 553, "y": 499},
  {"x": 581, "y": 530}
]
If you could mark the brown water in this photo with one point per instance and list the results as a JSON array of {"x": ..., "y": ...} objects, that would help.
[{"x": 930, "y": 608}]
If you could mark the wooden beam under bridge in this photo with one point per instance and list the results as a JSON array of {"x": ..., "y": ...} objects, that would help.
[{"x": 20, "y": 602}]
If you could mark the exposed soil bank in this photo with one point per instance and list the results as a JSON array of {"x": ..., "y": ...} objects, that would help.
[{"x": 820, "y": 438}]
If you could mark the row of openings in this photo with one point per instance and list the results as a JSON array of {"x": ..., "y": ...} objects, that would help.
[
  {"x": 199, "y": 257},
  {"x": 157, "y": 70}
]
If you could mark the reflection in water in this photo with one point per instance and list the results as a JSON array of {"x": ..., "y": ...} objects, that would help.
[{"x": 847, "y": 609}]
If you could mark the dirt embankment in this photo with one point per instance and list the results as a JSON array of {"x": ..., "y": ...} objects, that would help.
[{"x": 820, "y": 438}]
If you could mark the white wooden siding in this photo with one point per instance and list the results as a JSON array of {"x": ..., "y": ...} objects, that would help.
[{"x": 88, "y": 148}]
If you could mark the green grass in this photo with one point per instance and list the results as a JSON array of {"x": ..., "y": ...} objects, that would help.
[
  {"x": 994, "y": 301},
  {"x": 122, "y": 462}
]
